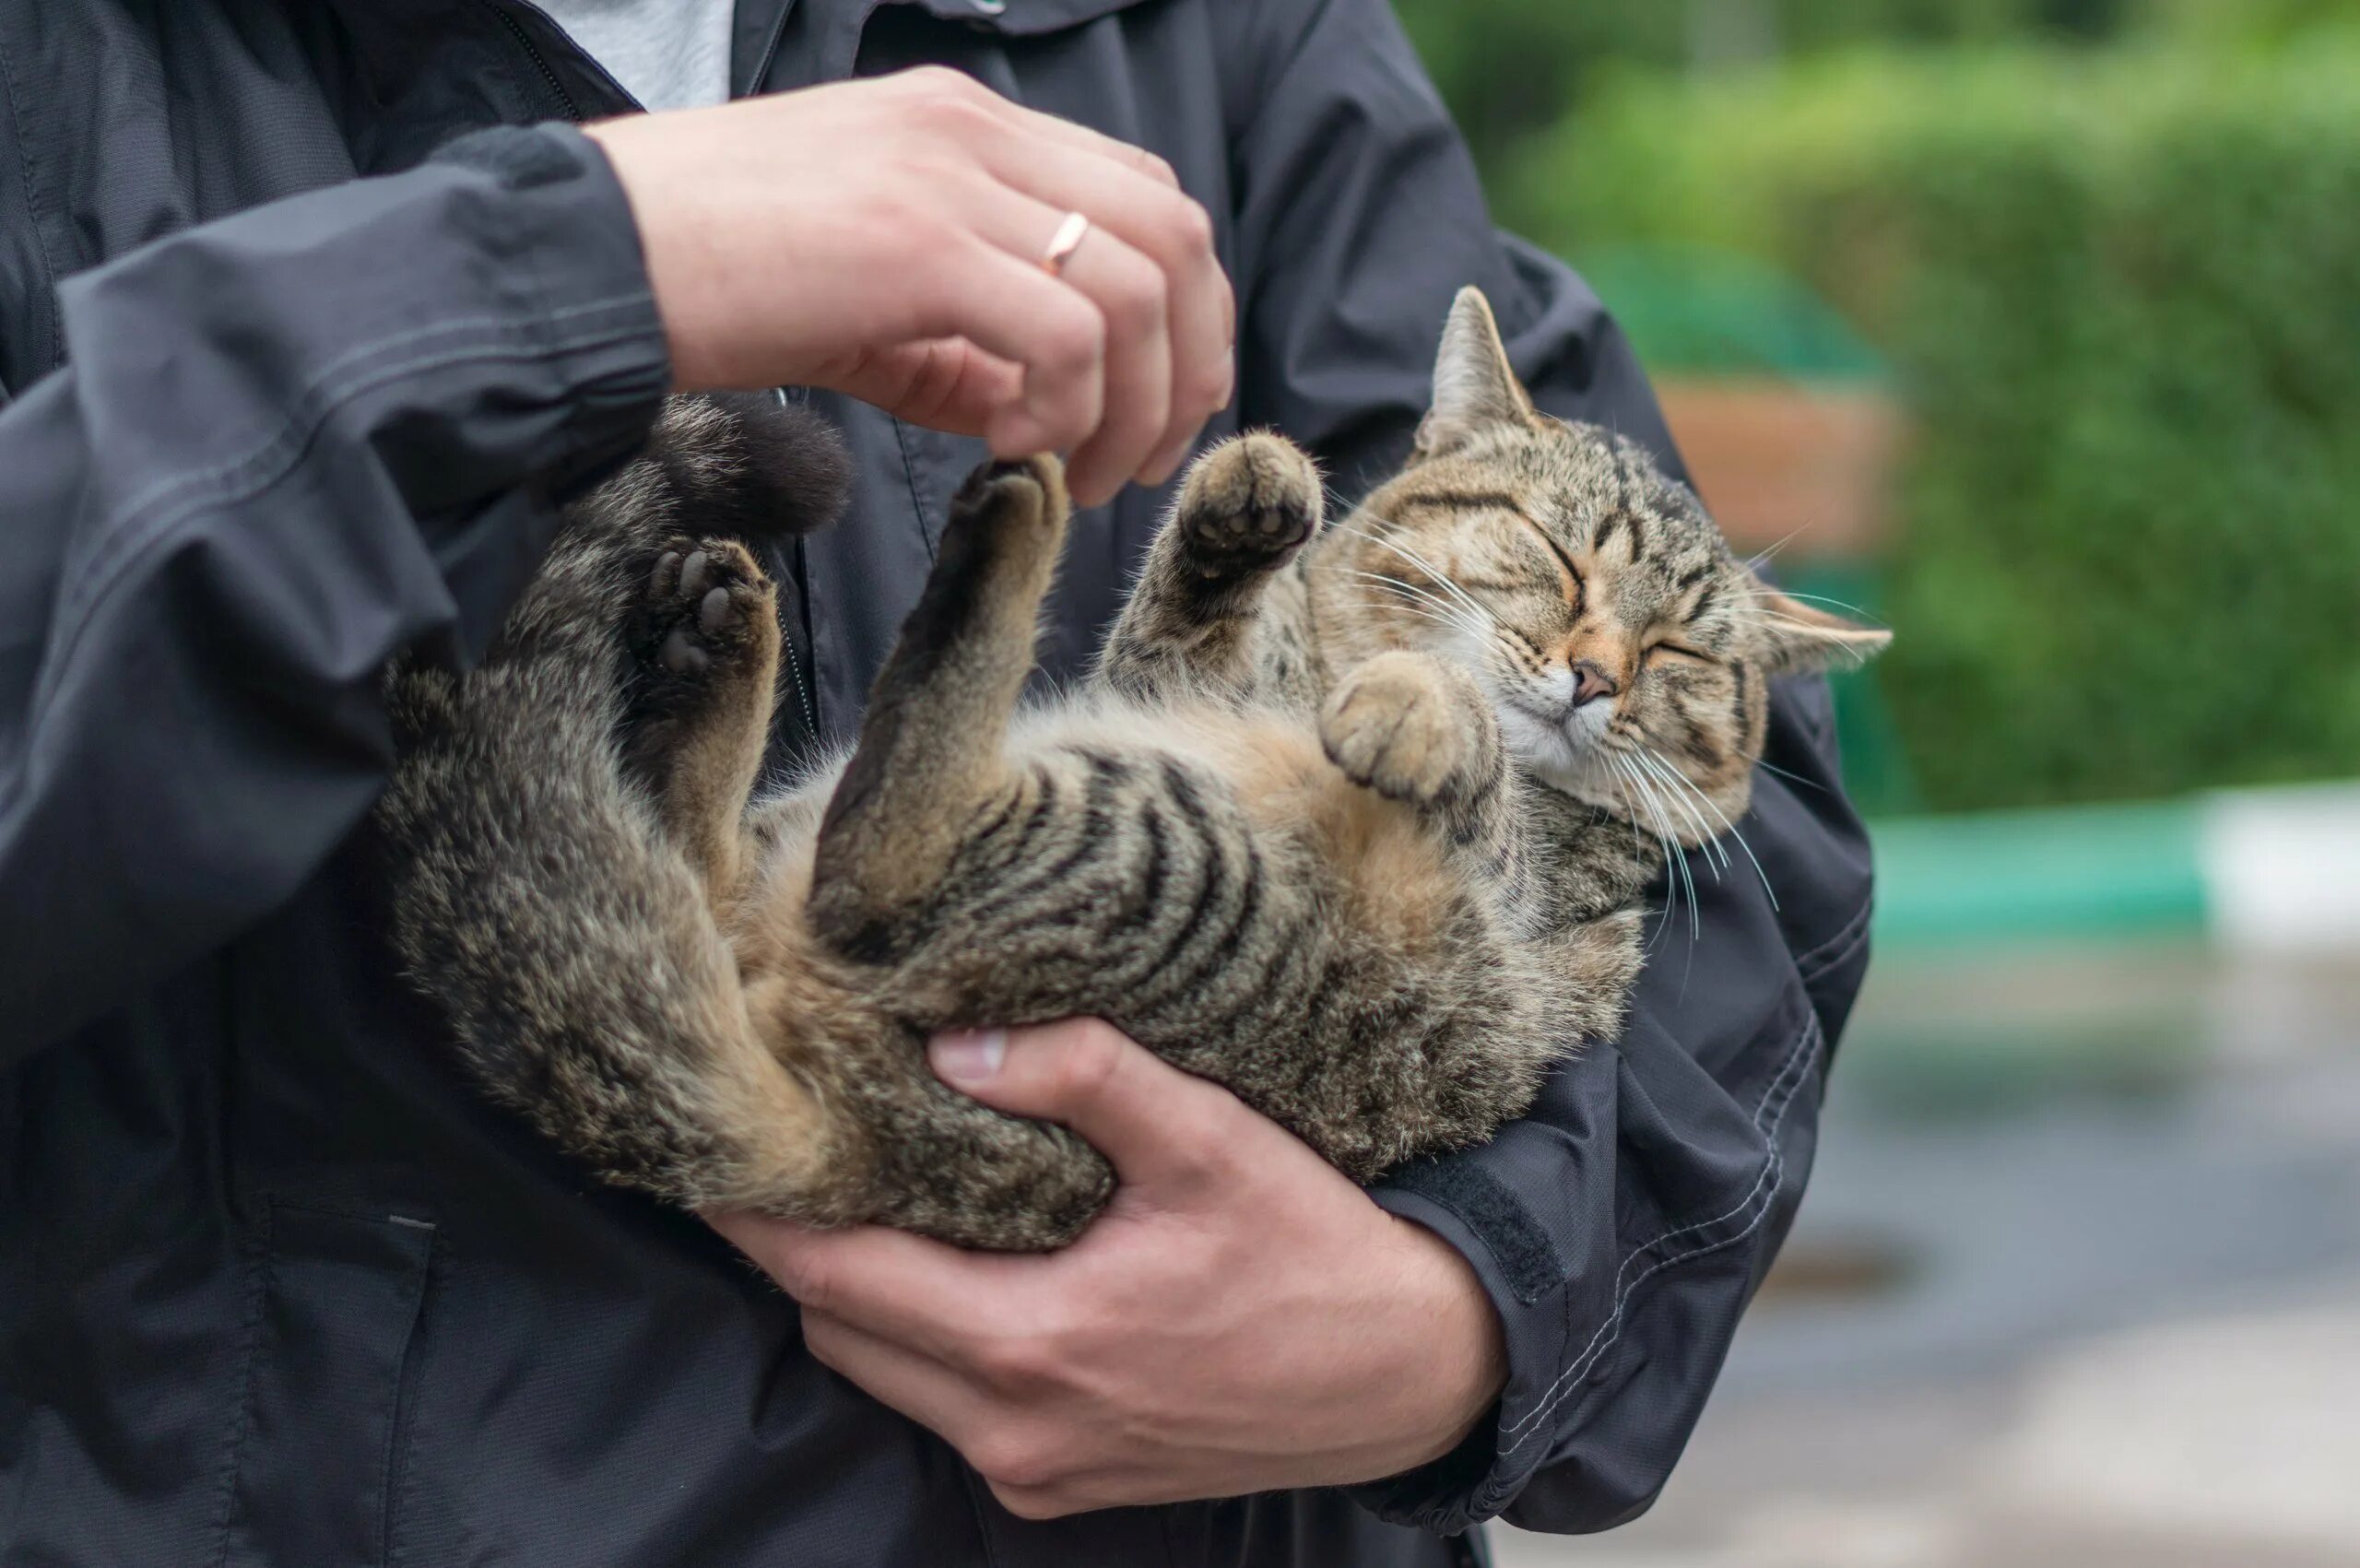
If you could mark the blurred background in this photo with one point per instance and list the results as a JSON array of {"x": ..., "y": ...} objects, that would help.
[{"x": 2031, "y": 328}]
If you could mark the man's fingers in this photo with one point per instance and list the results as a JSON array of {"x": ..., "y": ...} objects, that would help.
[
  {"x": 1174, "y": 234},
  {"x": 1167, "y": 1133},
  {"x": 915, "y": 256},
  {"x": 1134, "y": 197},
  {"x": 1131, "y": 294},
  {"x": 946, "y": 384},
  {"x": 922, "y": 1294},
  {"x": 1011, "y": 309},
  {"x": 1030, "y": 1460}
]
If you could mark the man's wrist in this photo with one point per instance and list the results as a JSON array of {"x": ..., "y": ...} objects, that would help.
[
  {"x": 1469, "y": 1366},
  {"x": 1464, "y": 1482}
]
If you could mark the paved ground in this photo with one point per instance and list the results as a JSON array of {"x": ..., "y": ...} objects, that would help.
[{"x": 2077, "y": 1286}]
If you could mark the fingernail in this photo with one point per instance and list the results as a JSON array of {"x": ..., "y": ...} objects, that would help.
[{"x": 971, "y": 1055}]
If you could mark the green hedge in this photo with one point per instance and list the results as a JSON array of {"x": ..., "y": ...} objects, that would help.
[
  {"x": 2121, "y": 293},
  {"x": 1509, "y": 66}
]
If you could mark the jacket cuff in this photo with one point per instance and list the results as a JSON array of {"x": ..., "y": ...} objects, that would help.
[
  {"x": 1491, "y": 1466},
  {"x": 563, "y": 248}
]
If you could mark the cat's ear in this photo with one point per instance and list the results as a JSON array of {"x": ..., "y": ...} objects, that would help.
[
  {"x": 1798, "y": 638},
  {"x": 1475, "y": 387}
]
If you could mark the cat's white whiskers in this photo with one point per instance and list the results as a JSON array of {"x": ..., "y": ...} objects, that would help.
[
  {"x": 1625, "y": 782},
  {"x": 1833, "y": 604},
  {"x": 1638, "y": 839},
  {"x": 1675, "y": 849},
  {"x": 1757, "y": 611},
  {"x": 1793, "y": 777},
  {"x": 1683, "y": 786},
  {"x": 1433, "y": 573},
  {"x": 1425, "y": 612},
  {"x": 1442, "y": 614},
  {"x": 1758, "y": 614},
  {"x": 1757, "y": 561},
  {"x": 1714, "y": 857},
  {"x": 1648, "y": 763},
  {"x": 1673, "y": 854},
  {"x": 1441, "y": 578},
  {"x": 1731, "y": 828},
  {"x": 1481, "y": 631}
]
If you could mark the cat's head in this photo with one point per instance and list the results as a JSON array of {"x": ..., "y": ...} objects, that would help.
[{"x": 1626, "y": 650}]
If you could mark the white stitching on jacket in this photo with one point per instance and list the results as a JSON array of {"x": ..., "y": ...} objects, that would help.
[
  {"x": 1773, "y": 1165},
  {"x": 1809, "y": 962}
]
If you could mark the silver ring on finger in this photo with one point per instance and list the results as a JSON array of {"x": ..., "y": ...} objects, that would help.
[{"x": 1064, "y": 243}]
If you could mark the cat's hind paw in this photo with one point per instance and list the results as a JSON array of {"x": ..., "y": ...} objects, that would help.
[{"x": 705, "y": 601}]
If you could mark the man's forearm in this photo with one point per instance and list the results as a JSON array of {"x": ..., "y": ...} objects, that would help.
[{"x": 272, "y": 462}]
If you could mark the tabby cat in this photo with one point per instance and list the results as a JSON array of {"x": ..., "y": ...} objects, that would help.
[{"x": 1355, "y": 822}]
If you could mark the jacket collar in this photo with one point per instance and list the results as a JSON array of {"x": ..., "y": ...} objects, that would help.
[{"x": 573, "y": 84}]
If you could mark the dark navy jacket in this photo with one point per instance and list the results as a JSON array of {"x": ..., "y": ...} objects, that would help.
[{"x": 274, "y": 1287}]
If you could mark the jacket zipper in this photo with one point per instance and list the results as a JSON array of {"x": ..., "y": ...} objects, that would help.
[
  {"x": 532, "y": 52},
  {"x": 794, "y": 553},
  {"x": 795, "y": 664}
]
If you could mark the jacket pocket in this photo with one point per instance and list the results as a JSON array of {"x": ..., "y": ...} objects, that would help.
[{"x": 317, "y": 1448}]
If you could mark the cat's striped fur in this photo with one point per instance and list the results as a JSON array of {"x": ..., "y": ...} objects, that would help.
[{"x": 1310, "y": 831}]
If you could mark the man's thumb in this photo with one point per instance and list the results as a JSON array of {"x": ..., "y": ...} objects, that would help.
[{"x": 1155, "y": 1124}]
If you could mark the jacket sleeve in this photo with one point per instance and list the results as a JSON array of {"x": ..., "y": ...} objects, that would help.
[
  {"x": 285, "y": 446},
  {"x": 1622, "y": 1227}
]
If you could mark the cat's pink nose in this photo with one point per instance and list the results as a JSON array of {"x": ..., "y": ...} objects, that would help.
[{"x": 1591, "y": 682}]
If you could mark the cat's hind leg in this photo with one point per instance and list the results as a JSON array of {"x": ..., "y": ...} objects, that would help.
[
  {"x": 568, "y": 939},
  {"x": 705, "y": 637},
  {"x": 932, "y": 754},
  {"x": 1214, "y": 612}
]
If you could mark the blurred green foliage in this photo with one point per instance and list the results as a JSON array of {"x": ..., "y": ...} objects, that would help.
[
  {"x": 1509, "y": 66},
  {"x": 2119, "y": 288}
]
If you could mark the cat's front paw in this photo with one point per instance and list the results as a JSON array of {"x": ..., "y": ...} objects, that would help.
[
  {"x": 1246, "y": 505},
  {"x": 1401, "y": 726},
  {"x": 705, "y": 602}
]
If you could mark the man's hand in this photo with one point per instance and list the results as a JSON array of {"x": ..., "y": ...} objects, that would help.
[
  {"x": 1241, "y": 1318},
  {"x": 884, "y": 237}
]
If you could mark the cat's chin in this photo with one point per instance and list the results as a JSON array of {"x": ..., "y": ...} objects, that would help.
[
  {"x": 1573, "y": 765},
  {"x": 1547, "y": 754},
  {"x": 1580, "y": 784}
]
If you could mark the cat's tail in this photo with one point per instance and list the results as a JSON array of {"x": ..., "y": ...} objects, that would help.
[
  {"x": 537, "y": 900},
  {"x": 746, "y": 464}
]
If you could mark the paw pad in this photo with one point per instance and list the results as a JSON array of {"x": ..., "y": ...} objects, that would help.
[
  {"x": 1248, "y": 504},
  {"x": 702, "y": 599}
]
